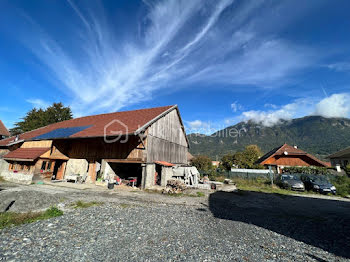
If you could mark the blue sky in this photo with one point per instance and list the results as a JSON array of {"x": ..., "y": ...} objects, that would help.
[{"x": 221, "y": 61}]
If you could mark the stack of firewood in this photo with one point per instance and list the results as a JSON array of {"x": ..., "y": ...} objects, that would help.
[{"x": 174, "y": 186}]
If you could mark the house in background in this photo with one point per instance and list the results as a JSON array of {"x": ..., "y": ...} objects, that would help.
[
  {"x": 215, "y": 163},
  {"x": 3, "y": 131},
  {"x": 286, "y": 156},
  {"x": 137, "y": 144},
  {"x": 340, "y": 159}
]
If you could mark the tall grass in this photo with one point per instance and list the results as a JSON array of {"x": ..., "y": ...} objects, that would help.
[
  {"x": 9, "y": 219},
  {"x": 81, "y": 204}
]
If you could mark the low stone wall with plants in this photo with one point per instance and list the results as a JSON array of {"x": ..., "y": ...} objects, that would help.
[{"x": 21, "y": 178}]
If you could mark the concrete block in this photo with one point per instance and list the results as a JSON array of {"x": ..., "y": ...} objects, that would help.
[
  {"x": 148, "y": 175},
  {"x": 167, "y": 174}
]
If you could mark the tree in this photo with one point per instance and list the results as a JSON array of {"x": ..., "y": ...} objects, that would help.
[
  {"x": 36, "y": 118},
  {"x": 250, "y": 155},
  {"x": 202, "y": 163},
  {"x": 244, "y": 159},
  {"x": 227, "y": 161}
]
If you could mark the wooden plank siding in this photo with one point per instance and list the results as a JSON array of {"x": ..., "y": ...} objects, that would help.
[
  {"x": 96, "y": 148},
  {"x": 166, "y": 140},
  {"x": 35, "y": 144}
]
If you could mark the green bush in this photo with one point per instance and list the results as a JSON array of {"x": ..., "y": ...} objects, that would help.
[
  {"x": 53, "y": 212},
  {"x": 342, "y": 183},
  {"x": 347, "y": 169},
  {"x": 309, "y": 170}
]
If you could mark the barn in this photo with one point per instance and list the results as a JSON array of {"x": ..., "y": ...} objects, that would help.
[{"x": 140, "y": 145}]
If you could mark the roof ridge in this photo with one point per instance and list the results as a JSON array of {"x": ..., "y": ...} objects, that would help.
[
  {"x": 3, "y": 129},
  {"x": 126, "y": 111}
]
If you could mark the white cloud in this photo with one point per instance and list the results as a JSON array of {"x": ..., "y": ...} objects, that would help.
[
  {"x": 298, "y": 108},
  {"x": 179, "y": 41},
  {"x": 340, "y": 66},
  {"x": 273, "y": 106},
  {"x": 337, "y": 105},
  {"x": 38, "y": 103},
  {"x": 195, "y": 124},
  {"x": 203, "y": 127},
  {"x": 270, "y": 118},
  {"x": 236, "y": 107}
]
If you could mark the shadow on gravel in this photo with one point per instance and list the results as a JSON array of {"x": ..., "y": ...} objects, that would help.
[{"x": 318, "y": 222}]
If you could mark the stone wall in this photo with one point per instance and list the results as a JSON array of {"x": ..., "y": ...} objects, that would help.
[
  {"x": 21, "y": 178},
  {"x": 4, "y": 166}
]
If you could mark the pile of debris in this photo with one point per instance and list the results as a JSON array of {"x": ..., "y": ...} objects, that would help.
[{"x": 174, "y": 186}]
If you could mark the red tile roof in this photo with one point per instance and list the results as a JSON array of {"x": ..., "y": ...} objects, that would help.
[
  {"x": 126, "y": 122},
  {"x": 164, "y": 163},
  {"x": 3, "y": 130},
  {"x": 26, "y": 154},
  {"x": 290, "y": 156}
]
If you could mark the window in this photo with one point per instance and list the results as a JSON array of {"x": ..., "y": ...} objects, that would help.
[
  {"x": 346, "y": 162},
  {"x": 43, "y": 165}
]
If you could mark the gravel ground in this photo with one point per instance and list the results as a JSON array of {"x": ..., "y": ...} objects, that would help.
[{"x": 136, "y": 226}]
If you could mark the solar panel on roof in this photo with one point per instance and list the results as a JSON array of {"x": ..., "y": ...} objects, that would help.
[{"x": 62, "y": 132}]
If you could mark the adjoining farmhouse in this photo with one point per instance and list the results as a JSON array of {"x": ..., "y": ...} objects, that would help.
[
  {"x": 140, "y": 144},
  {"x": 340, "y": 159},
  {"x": 286, "y": 156},
  {"x": 3, "y": 131}
]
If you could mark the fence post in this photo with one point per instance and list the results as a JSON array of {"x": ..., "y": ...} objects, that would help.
[{"x": 271, "y": 175}]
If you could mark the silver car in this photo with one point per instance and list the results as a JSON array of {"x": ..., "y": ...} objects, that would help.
[{"x": 292, "y": 182}]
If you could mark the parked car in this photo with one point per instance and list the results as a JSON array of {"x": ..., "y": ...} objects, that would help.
[
  {"x": 318, "y": 184},
  {"x": 292, "y": 182}
]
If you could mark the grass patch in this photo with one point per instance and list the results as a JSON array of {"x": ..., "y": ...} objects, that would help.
[
  {"x": 176, "y": 194},
  {"x": 197, "y": 194},
  {"x": 81, "y": 204},
  {"x": 9, "y": 219},
  {"x": 262, "y": 185},
  {"x": 123, "y": 205},
  {"x": 152, "y": 191},
  {"x": 200, "y": 194}
]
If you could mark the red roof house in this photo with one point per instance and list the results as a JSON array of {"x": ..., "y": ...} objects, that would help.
[{"x": 287, "y": 155}]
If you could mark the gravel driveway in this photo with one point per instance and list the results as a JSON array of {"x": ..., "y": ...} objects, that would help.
[{"x": 139, "y": 226}]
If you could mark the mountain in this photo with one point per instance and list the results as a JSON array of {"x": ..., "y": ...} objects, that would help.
[{"x": 314, "y": 134}]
